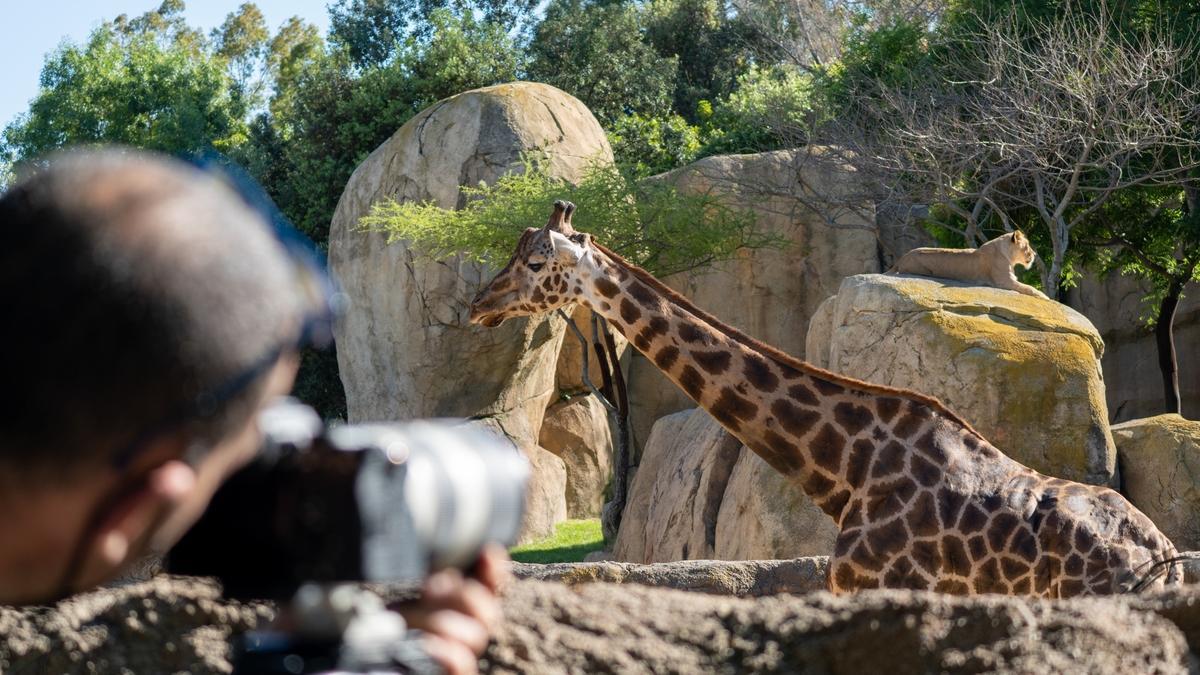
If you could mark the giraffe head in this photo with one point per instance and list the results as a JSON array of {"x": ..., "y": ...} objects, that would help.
[{"x": 540, "y": 275}]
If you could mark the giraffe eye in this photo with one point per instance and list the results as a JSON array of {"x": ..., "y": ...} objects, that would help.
[{"x": 536, "y": 267}]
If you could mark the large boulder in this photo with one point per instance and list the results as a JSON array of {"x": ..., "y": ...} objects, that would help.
[
  {"x": 1023, "y": 371},
  {"x": 578, "y": 432},
  {"x": 699, "y": 493},
  {"x": 768, "y": 293},
  {"x": 1116, "y": 305},
  {"x": 1160, "y": 472},
  {"x": 405, "y": 347}
]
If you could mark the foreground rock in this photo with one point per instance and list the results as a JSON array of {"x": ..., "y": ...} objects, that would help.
[
  {"x": 699, "y": 493},
  {"x": 405, "y": 348},
  {"x": 1025, "y": 372},
  {"x": 604, "y": 628},
  {"x": 166, "y": 625},
  {"x": 181, "y": 625},
  {"x": 769, "y": 293},
  {"x": 750, "y": 578},
  {"x": 1160, "y": 471}
]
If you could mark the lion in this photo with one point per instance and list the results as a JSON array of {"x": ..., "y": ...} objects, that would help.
[{"x": 990, "y": 264}]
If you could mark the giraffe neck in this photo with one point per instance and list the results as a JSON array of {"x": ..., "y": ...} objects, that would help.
[{"x": 811, "y": 428}]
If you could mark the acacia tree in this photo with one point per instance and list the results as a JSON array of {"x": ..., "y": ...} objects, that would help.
[{"x": 1038, "y": 123}]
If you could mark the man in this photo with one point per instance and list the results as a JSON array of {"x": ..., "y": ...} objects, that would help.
[{"x": 149, "y": 315}]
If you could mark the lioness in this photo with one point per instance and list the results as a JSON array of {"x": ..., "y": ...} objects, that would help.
[{"x": 990, "y": 264}]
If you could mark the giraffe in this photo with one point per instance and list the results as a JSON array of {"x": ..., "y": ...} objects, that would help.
[{"x": 920, "y": 498}]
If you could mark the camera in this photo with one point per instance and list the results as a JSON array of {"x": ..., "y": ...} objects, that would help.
[
  {"x": 379, "y": 502},
  {"x": 321, "y": 507}
]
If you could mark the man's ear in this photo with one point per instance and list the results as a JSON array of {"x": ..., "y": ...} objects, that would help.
[{"x": 131, "y": 518}]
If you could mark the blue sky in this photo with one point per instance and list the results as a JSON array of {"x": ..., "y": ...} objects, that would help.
[{"x": 30, "y": 29}]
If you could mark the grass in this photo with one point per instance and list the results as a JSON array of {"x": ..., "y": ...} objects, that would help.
[{"x": 572, "y": 540}]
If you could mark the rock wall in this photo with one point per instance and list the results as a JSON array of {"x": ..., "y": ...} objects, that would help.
[
  {"x": 1025, "y": 372},
  {"x": 1134, "y": 386},
  {"x": 770, "y": 294},
  {"x": 699, "y": 493},
  {"x": 405, "y": 348}
]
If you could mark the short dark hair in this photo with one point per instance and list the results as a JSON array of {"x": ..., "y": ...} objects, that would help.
[{"x": 132, "y": 285}]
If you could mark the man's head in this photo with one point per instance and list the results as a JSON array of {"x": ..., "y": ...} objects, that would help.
[{"x": 148, "y": 315}]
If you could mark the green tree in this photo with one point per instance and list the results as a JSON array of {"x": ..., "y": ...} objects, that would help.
[
  {"x": 770, "y": 109},
  {"x": 242, "y": 41},
  {"x": 373, "y": 31},
  {"x": 651, "y": 145},
  {"x": 596, "y": 52},
  {"x": 1152, "y": 234},
  {"x": 131, "y": 88}
]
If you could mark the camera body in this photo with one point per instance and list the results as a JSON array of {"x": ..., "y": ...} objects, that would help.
[{"x": 382, "y": 502}]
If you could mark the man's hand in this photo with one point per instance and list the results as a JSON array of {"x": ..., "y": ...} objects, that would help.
[{"x": 458, "y": 613}]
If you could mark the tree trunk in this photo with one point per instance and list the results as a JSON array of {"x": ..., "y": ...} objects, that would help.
[{"x": 1164, "y": 336}]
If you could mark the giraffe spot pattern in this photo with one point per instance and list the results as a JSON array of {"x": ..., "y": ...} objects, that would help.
[
  {"x": 690, "y": 334},
  {"x": 950, "y": 503},
  {"x": 887, "y": 407},
  {"x": 758, "y": 374},
  {"x": 827, "y": 448},
  {"x": 827, "y": 388},
  {"x": 607, "y": 288},
  {"x": 629, "y": 312},
  {"x": 537, "y": 295},
  {"x": 903, "y": 575},
  {"x": 924, "y": 471},
  {"x": 887, "y": 499},
  {"x": 713, "y": 362},
  {"x": 853, "y": 418},
  {"x": 974, "y": 519},
  {"x": 977, "y": 546},
  {"x": 988, "y": 579},
  {"x": 889, "y": 538},
  {"x": 644, "y": 296},
  {"x": 865, "y": 558},
  {"x": 795, "y": 421},
  {"x": 889, "y": 460},
  {"x": 858, "y": 462},
  {"x": 954, "y": 555},
  {"x": 835, "y": 504},
  {"x": 1001, "y": 528},
  {"x": 692, "y": 382},
  {"x": 926, "y": 555},
  {"x": 787, "y": 456},
  {"x": 665, "y": 357},
  {"x": 932, "y": 447},
  {"x": 922, "y": 517},
  {"x": 731, "y": 409},
  {"x": 803, "y": 395},
  {"x": 952, "y": 586},
  {"x": 817, "y": 485}
]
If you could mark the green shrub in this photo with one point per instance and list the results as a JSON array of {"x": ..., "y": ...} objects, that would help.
[
  {"x": 649, "y": 223},
  {"x": 769, "y": 110},
  {"x": 650, "y": 145}
]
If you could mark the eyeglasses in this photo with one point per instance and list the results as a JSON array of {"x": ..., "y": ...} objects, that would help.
[{"x": 314, "y": 284}]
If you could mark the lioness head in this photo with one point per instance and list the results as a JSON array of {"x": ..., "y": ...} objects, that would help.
[{"x": 1019, "y": 250}]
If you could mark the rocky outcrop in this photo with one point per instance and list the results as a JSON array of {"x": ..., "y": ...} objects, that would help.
[
  {"x": 405, "y": 348},
  {"x": 1025, "y": 372},
  {"x": 1116, "y": 305},
  {"x": 1160, "y": 472},
  {"x": 768, "y": 293},
  {"x": 577, "y": 431},
  {"x": 699, "y": 493},
  {"x": 749, "y": 578}
]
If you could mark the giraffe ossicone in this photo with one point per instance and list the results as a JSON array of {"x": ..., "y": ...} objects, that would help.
[{"x": 920, "y": 498}]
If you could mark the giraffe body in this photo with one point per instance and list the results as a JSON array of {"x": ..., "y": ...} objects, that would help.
[{"x": 920, "y": 498}]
